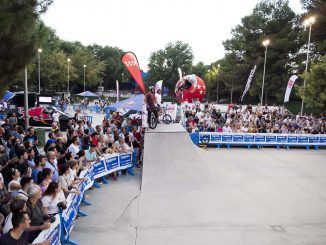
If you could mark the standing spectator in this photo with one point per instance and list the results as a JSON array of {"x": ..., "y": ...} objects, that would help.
[
  {"x": 90, "y": 154},
  {"x": 51, "y": 197},
  {"x": 31, "y": 137},
  {"x": 62, "y": 150},
  {"x": 121, "y": 145},
  {"x": 52, "y": 164},
  {"x": 35, "y": 212},
  {"x": 5, "y": 199},
  {"x": 39, "y": 164},
  {"x": 66, "y": 181},
  {"x": 15, "y": 207},
  {"x": 25, "y": 183},
  {"x": 44, "y": 178},
  {"x": 19, "y": 234},
  {"x": 74, "y": 148}
]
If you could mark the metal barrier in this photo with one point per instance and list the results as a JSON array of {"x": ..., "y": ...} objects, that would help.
[{"x": 259, "y": 139}]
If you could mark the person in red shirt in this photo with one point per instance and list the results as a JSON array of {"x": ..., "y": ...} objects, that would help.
[
  {"x": 95, "y": 137},
  {"x": 151, "y": 102}
]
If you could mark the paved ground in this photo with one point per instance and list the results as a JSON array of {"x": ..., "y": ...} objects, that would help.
[{"x": 192, "y": 196}]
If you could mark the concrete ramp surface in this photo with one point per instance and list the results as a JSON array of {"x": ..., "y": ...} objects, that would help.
[{"x": 237, "y": 196}]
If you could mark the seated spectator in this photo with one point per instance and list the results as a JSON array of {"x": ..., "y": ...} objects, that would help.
[
  {"x": 52, "y": 196},
  {"x": 35, "y": 212},
  {"x": 44, "y": 178},
  {"x": 66, "y": 181},
  {"x": 16, "y": 206}
]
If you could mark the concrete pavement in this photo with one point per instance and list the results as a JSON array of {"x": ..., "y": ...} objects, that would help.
[{"x": 192, "y": 196}]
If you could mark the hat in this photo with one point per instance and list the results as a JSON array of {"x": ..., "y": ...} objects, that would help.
[{"x": 50, "y": 141}]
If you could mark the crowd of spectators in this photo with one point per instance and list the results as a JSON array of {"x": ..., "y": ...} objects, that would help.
[
  {"x": 249, "y": 119},
  {"x": 35, "y": 180}
]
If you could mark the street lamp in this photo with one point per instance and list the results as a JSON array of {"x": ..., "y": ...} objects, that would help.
[
  {"x": 84, "y": 76},
  {"x": 39, "y": 51},
  {"x": 266, "y": 42},
  {"x": 68, "y": 60},
  {"x": 307, "y": 22}
]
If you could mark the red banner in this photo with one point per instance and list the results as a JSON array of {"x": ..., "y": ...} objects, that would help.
[{"x": 130, "y": 61}]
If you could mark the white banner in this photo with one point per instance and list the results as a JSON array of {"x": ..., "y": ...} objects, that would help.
[
  {"x": 289, "y": 87},
  {"x": 158, "y": 85}
]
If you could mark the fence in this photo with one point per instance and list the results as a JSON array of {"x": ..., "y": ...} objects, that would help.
[
  {"x": 59, "y": 231},
  {"x": 259, "y": 139}
]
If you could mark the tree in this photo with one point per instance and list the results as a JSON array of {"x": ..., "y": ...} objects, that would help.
[
  {"x": 114, "y": 69},
  {"x": 164, "y": 63},
  {"x": 212, "y": 81},
  {"x": 21, "y": 33},
  {"x": 200, "y": 69},
  {"x": 271, "y": 19},
  {"x": 315, "y": 92},
  {"x": 317, "y": 8},
  {"x": 93, "y": 70}
]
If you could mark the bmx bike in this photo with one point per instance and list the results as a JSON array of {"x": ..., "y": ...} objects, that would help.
[{"x": 166, "y": 118}]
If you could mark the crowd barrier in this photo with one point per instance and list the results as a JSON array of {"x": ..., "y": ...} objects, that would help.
[
  {"x": 259, "y": 139},
  {"x": 59, "y": 231}
]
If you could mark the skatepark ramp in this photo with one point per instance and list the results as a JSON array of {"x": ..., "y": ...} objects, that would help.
[{"x": 191, "y": 196}]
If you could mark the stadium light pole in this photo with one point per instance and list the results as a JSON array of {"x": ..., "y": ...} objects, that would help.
[
  {"x": 39, "y": 51},
  {"x": 84, "y": 76},
  {"x": 68, "y": 60},
  {"x": 307, "y": 22},
  {"x": 266, "y": 42}
]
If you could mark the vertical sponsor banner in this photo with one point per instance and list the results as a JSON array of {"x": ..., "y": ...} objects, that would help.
[
  {"x": 130, "y": 61},
  {"x": 158, "y": 85},
  {"x": 250, "y": 78},
  {"x": 289, "y": 87},
  {"x": 117, "y": 88}
]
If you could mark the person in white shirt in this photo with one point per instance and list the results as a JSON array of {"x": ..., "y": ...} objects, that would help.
[
  {"x": 51, "y": 197},
  {"x": 74, "y": 148},
  {"x": 227, "y": 128},
  {"x": 52, "y": 164},
  {"x": 55, "y": 116},
  {"x": 121, "y": 146},
  {"x": 158, "y": 97},
  {"x": 16, "y": 206}
]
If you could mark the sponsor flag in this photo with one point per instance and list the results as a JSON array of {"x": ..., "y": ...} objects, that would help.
[
  {"x": 130, "y": 61},
  {"x": 250, "y": 78},
  {"x": 289, "y": 87}
]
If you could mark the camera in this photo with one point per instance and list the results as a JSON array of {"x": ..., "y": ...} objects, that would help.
[
  {"x": 51, "y": 219},
  {"x": 62, "y": 205}
]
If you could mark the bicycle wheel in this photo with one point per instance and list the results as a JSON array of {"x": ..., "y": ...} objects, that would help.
[
  {"x": 152, "y": 121},
  {"x": 167, "y": 119}
]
